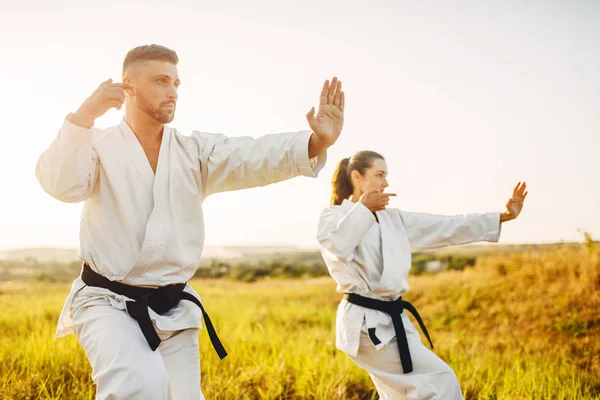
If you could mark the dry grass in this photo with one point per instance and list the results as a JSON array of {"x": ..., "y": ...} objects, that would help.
[{"x": 517, "y": 326}]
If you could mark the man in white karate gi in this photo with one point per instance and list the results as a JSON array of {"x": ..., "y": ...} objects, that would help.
[{"x": 142, "y": 228}]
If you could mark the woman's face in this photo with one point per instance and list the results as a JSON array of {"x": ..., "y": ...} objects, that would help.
[{"x": 373, "y": 178}]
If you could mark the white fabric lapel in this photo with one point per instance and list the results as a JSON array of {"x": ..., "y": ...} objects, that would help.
[
  {"x": 392, "y": 248},
  {"x": 155, "y": 227},
  {"x": 136, "y": 154}
]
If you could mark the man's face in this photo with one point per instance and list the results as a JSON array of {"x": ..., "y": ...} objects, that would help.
[{"x": 156, "y": 84}]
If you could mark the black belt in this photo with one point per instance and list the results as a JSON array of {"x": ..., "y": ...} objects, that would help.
[
  {"x": 395, "y": 309},
  {"x": 160, "y": 300}
]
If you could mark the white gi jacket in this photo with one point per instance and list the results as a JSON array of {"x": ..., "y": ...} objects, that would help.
[
  {"x": 373, "y": 260},
  {"x": 148, "y": 230}
]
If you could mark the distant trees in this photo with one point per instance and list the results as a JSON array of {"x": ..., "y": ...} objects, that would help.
[
  {"x": 425, "y": 262},
  {"x": 247, "y": 272},
  {"x": 298, "y": 265},
  {"x": 315, "y": 267}
]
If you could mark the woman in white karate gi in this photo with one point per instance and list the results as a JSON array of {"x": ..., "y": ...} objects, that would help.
[{"x": 367, "y": 248}]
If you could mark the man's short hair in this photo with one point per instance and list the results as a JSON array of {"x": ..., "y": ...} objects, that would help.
[{"x": 151, "y": 52}]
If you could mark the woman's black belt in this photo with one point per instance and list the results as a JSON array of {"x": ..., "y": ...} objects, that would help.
[{"x": 394, "y": 309}]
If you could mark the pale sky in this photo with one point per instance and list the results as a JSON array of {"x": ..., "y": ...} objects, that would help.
[{"x": 464, "y": 99}]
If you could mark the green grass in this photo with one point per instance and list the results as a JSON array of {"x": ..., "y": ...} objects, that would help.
[{"x": 518, "y": 326}]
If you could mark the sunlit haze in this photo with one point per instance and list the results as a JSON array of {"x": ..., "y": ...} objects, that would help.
[{"x": 464, "y": 99}]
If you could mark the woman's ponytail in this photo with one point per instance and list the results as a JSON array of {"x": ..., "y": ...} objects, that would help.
[{"x": 341, "y": 183}]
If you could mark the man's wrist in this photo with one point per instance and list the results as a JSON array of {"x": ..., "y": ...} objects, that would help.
[
  {"x": 316, "y": 146},
  {"x": 82, "y": 119}
]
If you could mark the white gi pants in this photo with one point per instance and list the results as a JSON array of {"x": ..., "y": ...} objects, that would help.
[
  {"x": 431, "y": 379},
  {"x": 123, "y": 365}
]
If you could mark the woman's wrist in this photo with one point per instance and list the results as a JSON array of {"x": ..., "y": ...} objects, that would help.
[{"x": 505, "y": 217}]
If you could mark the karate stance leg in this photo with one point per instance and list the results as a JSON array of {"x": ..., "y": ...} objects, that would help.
[
  {"x": 123, "y": 365},
  {"x": 181, "y": 356},
  {"x": 431, "y": 379}
]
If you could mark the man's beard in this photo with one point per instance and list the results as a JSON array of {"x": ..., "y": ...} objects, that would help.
[{"x": 164, "y": 116}]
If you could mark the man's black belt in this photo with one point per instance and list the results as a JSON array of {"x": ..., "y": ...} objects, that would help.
[
  {"x": 160, "y": 299},
  {"x": 394, "y": 309}
]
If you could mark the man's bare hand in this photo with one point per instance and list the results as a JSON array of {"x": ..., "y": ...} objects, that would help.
[
  {"x": 329, "y": 119},
  {"x": 105, "y": 97}
]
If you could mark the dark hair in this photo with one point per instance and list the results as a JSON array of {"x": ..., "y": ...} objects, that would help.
[
  {"x": 342, "y": 182},
  {"x": 149, "y": 52}
]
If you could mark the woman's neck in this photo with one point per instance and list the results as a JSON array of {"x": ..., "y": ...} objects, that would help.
[{"x": 356, "y": 196}]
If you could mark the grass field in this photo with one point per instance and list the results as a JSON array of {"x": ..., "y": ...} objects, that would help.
[{"x": 517, "y": 326}]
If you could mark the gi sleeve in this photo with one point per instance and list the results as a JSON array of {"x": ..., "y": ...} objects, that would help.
[
  {"x": 341, "y": 230},
  {"x": 235, "y": 163},
  {"x": 430, "y": 230},
  {"x": 69, "y": 168}
]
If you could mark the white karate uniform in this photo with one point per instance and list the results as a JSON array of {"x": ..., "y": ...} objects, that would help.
[
  {"x": 373, "y": 260},
  {"x": 148, "y": 230}
]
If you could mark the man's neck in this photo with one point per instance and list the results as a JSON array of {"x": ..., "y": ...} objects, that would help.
[{"x": 146, "y": 129}]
